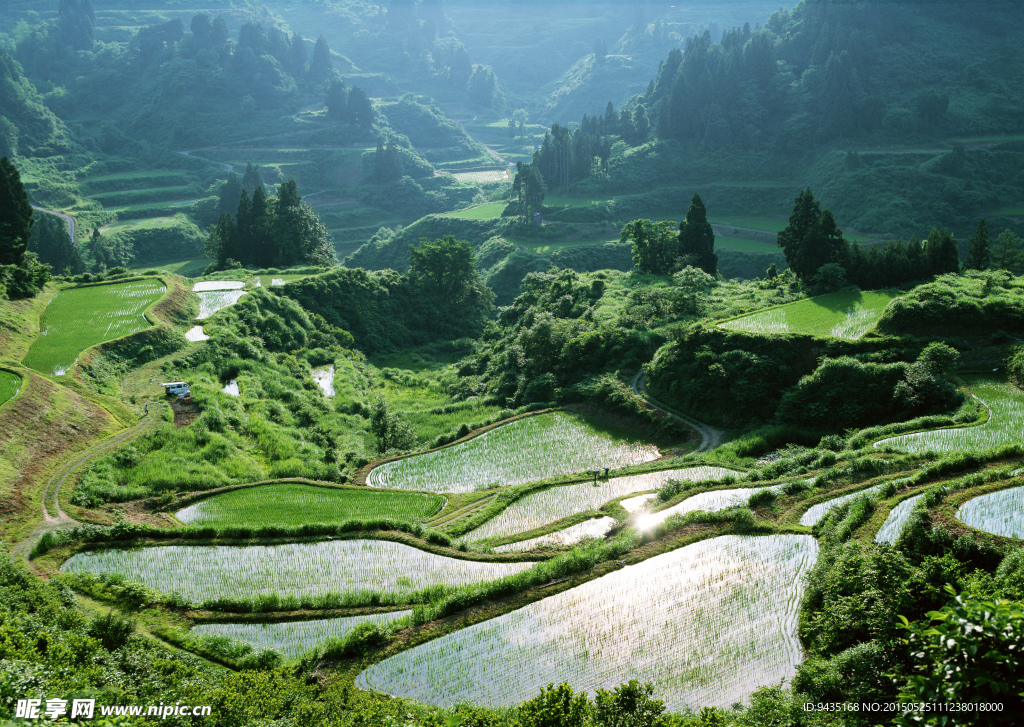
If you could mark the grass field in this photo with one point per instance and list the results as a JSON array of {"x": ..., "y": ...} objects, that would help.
[
  {"x": 1000, "y": 513},
  {"x": 1006, "y": 403},
  {"x": 847, "y": 315},
  {"x": 555, "y": 503},
  {"x": 185, "y": 268},
  {"x": 293, "y": 638},
  {"x": 488, "y": 211},
  {"x": 77, "y": 318},
  {"x": 595, "y": 528},
  {"x": 706, "y": 501},
  {"x": 525, "y": 450},
  {"x": 744, "y": 245},
  {"x": 898, "y": 517},
  {"x": 706, "y": 624},
  {"x": 295, "y": 504},
  {"x": 817, "y": 512},
  {"x": 205, "y": 572},
  {"x": 9, "y": 384}
]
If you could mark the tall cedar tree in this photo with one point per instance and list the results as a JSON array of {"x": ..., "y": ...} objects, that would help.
[
  {"x": 252, "y": 179},
  {"x": 941, "y": 253},
  {"x": 15, "y": 215},
  {"x": 230, "y": 194},
  {"x": 978, "y": 257},
  {"x": 822, "y": 245},
  {"x": 321, "y": 66},
  {"x": 806, "y": 212},
  {"x": 697, "y": 239},
  {"x": 529, "y": 189},
  {"x": 51, "y": 241}
]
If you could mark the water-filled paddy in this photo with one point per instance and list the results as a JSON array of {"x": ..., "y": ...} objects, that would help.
[
  {"x": 205, "y": 572},
  {"x": 706, "y": 624},
  {"x": 595, "y": 528},
  {"x": 528, "y": 449},
  {"x": 1000, "y": 513}
]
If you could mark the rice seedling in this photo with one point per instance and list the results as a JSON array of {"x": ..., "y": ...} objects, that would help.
[
  {"x": 9, "y": 385},
  {"x": 706, "y": 624},
  {"x": 196, "y": 334},
  {"x": 216, "y": 300},
  {"x": 1004, "y": 401},
  {"x": 295, "y": 504},
  {"x": 846, "y": 315},
  {"x": 1000, "y": 513},
  {"x": 555, "y": 503},
  {"x": 212, "y": 285},
  {"x": 202, "y": 573},
  {"x": 817, "y": 512},
  {"x": 898, "y": 517},
  {"x": 78, "y": 318},
  {"x": 596, "y": 528},
  {"x": 324, "y": 378},
  {"x": 707, "y": 501},
  {"x": 525, "y": 450},
  {"x": 638, "y": 503},
  {"x": 293, "y": 638}
]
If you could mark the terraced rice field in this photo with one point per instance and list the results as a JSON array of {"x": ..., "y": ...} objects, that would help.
[
  {"x": 1006, "y": 403},
  {"x": 707, "y": 501},
  {"x": 706, "y": 624},
  {"x": 489, "y": 211},
  {"x": 195, "y": 334},
  {"x": 525, "y": 450},
  {"x": 293, "y": 638},
  {"x": 205, "y": 572},
  {"x": 847, "y": 315},
  {"x": 324, "y": 378},
  {"x": 217, "y": 300},
  {"x": 78, "y": 318},
  {"x": 9, "y": 385},
  {"x": 295, "y": 504},
  {"x": 206, "y": 286},
  {"x": 639, "y": 503},
  {"x": 898, "y": 517},
  {"x": 1000, "y": 513},
  {"x": 817, "y": 512},
  {"x": 486, "y": 177},
  {"x": 596, "y": 528},
  {"x": 555, "y": 503}
]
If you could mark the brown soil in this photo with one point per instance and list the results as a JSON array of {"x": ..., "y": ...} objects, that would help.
[{"x": 184, "y": 414}]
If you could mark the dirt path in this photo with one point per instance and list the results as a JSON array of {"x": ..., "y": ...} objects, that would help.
[
  {"x": 67, "y": 218},
  {"x": 709, "y": 436},
  {"x": 54, "y": 518}
]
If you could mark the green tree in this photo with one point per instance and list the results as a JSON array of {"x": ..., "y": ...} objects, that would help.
[
  {"x": 321, "y": 66},
  {"x": 444, "y": 268},
  {"x": 359, "y": 109},
  {"x": 529, "y": 189},
  {"x": 337, "y": 101},
  {"x": 252, "y": 179},
  {"x": 978, "y": 257},
  {"x": 941, "y": 254},
  {"x": 555, "y": 706},
  {"x": 297, "y": 232},
  {"x": 972, "y": 652},
  {"x": 697, "y": 239},
  {"x": 1008, "y": 253},
  {"x": 230, "y": 194},
  {"x": 628, "y": 705},
  {"x": 15, "y": 215},
  {"x": 655, "y": 245},
  {"x": 52, "y": 243},
  {"x": 823, "y": 244},
  {"x": 222, "y": 242},
  {"x": 76, "y": 23},
  {"x": 391, "y": 430},
  {"x": 806, "y": 212}
]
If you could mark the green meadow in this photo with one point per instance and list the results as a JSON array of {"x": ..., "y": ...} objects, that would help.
[{"x": 846, "y": 315}]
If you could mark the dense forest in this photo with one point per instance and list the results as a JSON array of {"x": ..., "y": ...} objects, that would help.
[{"x": 573, "y": 364}]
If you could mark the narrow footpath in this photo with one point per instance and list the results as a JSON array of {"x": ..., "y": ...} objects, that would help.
[{"x": 709, "y": 436}]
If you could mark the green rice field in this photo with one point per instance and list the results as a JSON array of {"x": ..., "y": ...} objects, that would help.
[
  {"x": 528, "y": 449},
  {"x": 295, "y": 504},
  {"x": 817, "y": 512},
  {"x": 488, "y": 211},
  {"x": 293, "y": 638},
  {"x": 9, "y": 384},
  {"x": 898, "y": 517},
  {"x": 269, "y": 281},
  {"x": 1004, "y": 400},
  {"x": 595, "y": 528},
  {"x": 706, "y": 625},
  {"x": 202, "y": 573},
  {"x": 847, "y": 315},
  {"x": 555, "y": 503},
  {"x": 1000, "y": 513},
  {"x": 78, "y": 318},
  {"x": 707, "y": 501}
]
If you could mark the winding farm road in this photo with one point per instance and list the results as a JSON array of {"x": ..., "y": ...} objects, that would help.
[
  {"x": 67, "y": 218},
  {"x": 709, "y": 436},
  {"x": 54, "y": 518}
]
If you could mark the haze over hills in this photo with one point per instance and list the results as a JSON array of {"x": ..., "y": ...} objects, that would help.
[{"x": 513, "y": 364}]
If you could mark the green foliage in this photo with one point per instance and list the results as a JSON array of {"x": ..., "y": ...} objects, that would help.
[
  {"x": 978, "y": 253},
  {"x": 655, "y": 245},
  {"x": 555, "y": 706},
  {"x": 970, "y": 652},
  {"x": 973, "y": 303},
  {"x": 111, "y": 629},
  {"x": 697, "y": 239},
  {"x": 529, "y": 188}
]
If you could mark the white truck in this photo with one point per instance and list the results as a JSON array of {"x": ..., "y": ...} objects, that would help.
[{"x": 180, "y": 389}]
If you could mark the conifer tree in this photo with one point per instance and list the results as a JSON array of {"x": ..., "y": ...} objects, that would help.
[
  {"x": 252, "y": 179},
  {"x": 337, "y": 101},
  {"x": 1007, "y": 253},
  {"x": 15, "y": 215},
  {"x": 321, "y": 66},
  {"x": 230, "y": 194},
  {"x": 297, "y": 57},
  {"x": 697, "y": 239},
  {"x": 806, "y": 212},
  {"x": 978, "y": 257},
  {"x": 261, "y": 214}
]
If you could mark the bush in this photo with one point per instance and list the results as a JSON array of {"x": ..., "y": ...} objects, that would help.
[{"x": 112, "y": 630}]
